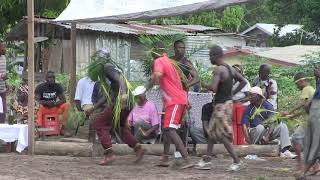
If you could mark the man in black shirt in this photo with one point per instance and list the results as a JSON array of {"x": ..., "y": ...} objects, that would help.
[{"x": 51, "y": 98}]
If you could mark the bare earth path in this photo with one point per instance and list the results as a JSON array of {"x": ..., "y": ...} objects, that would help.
[{"x": 14, "y": 166}]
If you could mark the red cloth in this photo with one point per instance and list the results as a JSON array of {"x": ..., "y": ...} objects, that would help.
[
  {"x": 104, "y": 124},
  {"x": 238, "y": 136},
  {"x": 170, "y": 82},
  {"x": 173, "y": 116}
]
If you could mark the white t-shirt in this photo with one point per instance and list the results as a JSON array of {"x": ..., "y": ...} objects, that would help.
[
  {"x": 84, "y": 91},
  {"x": 241, "y": 94},
  {"x": 274, "y": 88}
]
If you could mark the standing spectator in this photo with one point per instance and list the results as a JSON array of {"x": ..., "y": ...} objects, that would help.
[
  {"x": 51, "y": 98},
  {"x": 144, "y": 117},
  {"x": 83, "y": 100},
  {"x": 306, "y": 94},
  {"x": 269, "y": 86},
  {"x": 218, "y": 127},
  {"x": 243, "y": 95},
  {"x": 186, "y": 65},
  {"x": 311, "y": 150},
  {"x": 3, "y": 77},
  {"x": 83, "y": 94},
  {"x": 175, "y": 101},
  {"x": 254, "y": 129}
]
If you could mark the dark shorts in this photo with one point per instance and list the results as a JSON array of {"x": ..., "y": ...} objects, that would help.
[{"x": 207, "y": 111}]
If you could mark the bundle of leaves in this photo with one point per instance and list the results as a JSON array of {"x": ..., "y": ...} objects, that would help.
[
  {"x": 96, "y": 72},
  {"x": 167, "y": 39}
]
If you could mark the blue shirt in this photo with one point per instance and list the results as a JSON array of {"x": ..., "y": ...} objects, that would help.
[{"x": 259, "y": 118}]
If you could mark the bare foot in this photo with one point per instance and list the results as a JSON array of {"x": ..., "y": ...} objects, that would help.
[
  {"x": 139, "y": 155},
  {"x": 107, "y": 160}
]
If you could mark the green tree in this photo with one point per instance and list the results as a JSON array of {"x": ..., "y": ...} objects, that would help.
[
  {"x": 232, "y": 18},
  {"x": 11, "y": 11},
  {"x": 304, "y": 12}
]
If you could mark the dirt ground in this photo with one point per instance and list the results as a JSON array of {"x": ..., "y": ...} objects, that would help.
[{"x": 15, "y": 166}]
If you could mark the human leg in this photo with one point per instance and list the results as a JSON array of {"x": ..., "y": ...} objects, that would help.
[
  {"x": 281, "y": 131},
  {"x": 64, "y": 109},
  {"x": 297, "y": 141},
  {"x": 128, "y": 138},
  {"x": 103, "y": 125},
  {"x": 171, "y": 122},
  {"x": 197, "y": 135},
  {"x": 257, "y": 133}
]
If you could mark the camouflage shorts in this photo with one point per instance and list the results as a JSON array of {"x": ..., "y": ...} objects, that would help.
[{"x": 220, "y": 122}]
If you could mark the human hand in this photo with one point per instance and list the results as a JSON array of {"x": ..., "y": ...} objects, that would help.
[
  {"x": 189, "y": 106},
  {"x": 285, "y": 113},
  {"x": 89, "y": 111},
  {"x": 248, "y": 140}
]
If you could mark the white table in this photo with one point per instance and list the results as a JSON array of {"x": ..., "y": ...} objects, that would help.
[{"x": 15, "y": 132}]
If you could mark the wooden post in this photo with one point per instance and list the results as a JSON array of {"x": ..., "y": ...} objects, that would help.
[
  {"x": 73, "y": 64},
  {"x": 31, "y": 76}
]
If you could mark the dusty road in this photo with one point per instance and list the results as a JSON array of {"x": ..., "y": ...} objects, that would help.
[{"x": 14, "y": 166}]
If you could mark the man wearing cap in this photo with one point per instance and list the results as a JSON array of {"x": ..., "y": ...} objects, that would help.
[
  {"x": 253, "y": 123},
  {"x": 306, "y": 94},
  {"x": 144, "y": 117}
]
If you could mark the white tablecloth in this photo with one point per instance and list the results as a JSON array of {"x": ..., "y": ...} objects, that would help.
[{"x": 15, "y": 132}]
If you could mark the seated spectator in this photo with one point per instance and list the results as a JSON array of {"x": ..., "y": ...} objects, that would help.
[
  {"x": 51, "y": 98},
  {"x": 242, "y": 96},
  {"x": 144, "y": 117},
  {"x": 253, "y": 124},
  {"x": 306, "y": 94}
]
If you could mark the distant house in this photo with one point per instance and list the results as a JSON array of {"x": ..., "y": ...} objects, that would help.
[
  {"x": 282, "y": 56},
  {"x": 122, "y": 39},
  {"x": 261, "y": 32}
]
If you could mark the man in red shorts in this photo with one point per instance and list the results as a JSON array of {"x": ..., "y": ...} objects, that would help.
[{"x": 175, "y": 102}]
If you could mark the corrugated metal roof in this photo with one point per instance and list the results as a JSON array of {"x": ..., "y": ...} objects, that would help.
[
  {"x": 144, "y": 28},
  {"x": 290, "y": 54},
  {"x": 270, "y": 28}
]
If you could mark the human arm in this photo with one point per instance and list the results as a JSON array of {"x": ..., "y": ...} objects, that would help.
[
  {"x": 78, "y": 104},
  {"x": 98, "y": 105},
  {"x": 154, "y": 120},
  {"x": 151, "y": 131},
  {"x": 213, "y": 87},
  {"x": 246, "y": 133},
  {"x": 158, "y": 70},
  {"x": 239, "y": 78},
  {"x": 78, "y": 94},
  {"x": 194, "y": 74},
  {"x": 245, "y": 122}
]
